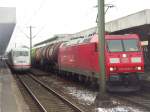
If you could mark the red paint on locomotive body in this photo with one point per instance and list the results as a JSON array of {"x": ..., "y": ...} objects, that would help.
[
  {"x": 82, "y": 57},
  {"x": 123, "y": 59}
]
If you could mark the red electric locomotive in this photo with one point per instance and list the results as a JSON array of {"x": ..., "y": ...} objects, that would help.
[{"x": 123, "y": 60}]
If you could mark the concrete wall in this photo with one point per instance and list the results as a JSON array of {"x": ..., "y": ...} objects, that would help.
[
  {"x": 133, "y": 20},
  {"x": 7, "y": 24}
]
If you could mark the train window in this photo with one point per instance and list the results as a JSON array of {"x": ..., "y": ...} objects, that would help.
[
  {"x": 131, "y": 45},
  {"x": 20, "y": 53},
  {"x": 122, "y": 45},
  {"x": 114, "y": 45}
]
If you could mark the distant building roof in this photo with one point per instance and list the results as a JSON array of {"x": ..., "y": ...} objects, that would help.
[
  {"x": 133, "y": 20},
  {"x": 138, "y": 22},
  {"x": 57, "y": 37}
]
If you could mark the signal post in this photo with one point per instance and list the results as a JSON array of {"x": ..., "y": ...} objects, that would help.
[
  {"x": 101, "y": 37},
  {"x": 103, "y": 98}
]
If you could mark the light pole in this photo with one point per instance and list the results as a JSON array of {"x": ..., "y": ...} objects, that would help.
[
  {"x": 30, "y": 37},
  {"x": 30, "y": 42},
  {"x": 101, "y": 38},
  {"x": 106, "y": 5}
]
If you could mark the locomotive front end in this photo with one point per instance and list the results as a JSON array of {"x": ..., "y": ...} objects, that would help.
[{"x": 125, "y": 63}]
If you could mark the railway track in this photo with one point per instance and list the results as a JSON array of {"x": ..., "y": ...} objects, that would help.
[
  {"x": 47, "y": 99},
  {"x": 138, "y": 100},
  {"x": 33, "y": 106}
]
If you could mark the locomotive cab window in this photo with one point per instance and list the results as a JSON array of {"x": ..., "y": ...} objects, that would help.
[
  {"x": 122, "y": 45},
  {"x": 20, "y": 53},
  {"x": 114, "y": 45},
  {"x": 131, "y": 45}
]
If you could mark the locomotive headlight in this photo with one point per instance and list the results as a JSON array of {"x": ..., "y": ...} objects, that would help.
[
  {"x": 124, "y": 55},
  {"x": 138, "y": 68},
  {"x": 114, "y": 60},
  {"x": 15, "y": 61},
  {"x": 111, "y": 69},
  {"x": 136, "y": 60}
]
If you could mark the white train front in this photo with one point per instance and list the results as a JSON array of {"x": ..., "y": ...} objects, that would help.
[{"x": 19, "y": 59}]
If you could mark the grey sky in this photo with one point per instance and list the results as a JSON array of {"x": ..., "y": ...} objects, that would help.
[{"x": 63, "y": 16}]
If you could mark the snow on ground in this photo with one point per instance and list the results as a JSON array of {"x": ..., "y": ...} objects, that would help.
[
  {"x": 89, "y": 98},
  {"x": 118, "y": 109}
]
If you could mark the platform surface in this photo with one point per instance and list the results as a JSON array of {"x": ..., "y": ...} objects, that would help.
[{"x": 11, "y": 99}]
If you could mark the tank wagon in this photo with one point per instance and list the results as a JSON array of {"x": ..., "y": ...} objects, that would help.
[
  {"x": 46, "y": 57},
  {"x": 79, "y": 59},
  {"x": 19, "y": 59}
]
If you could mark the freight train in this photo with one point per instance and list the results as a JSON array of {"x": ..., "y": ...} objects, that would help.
[
  {"x": 78, "y": 58},
  {"x": 19, "y": 59}
]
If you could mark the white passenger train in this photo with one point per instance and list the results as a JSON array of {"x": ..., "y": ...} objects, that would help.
[{"x": 19, "y": 59}]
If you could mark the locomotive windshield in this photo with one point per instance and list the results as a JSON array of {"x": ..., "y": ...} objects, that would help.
[
  {"x": 20, "y": 53},
  {"x": 122, "y": 45}
]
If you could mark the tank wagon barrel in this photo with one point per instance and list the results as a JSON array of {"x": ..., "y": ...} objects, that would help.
[{"x": 47, "y": 55}]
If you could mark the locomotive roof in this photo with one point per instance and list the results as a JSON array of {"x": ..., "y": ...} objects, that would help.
[
  {"x": 20, "y": 49},
  {"x": 126, "y": 36},
  {"x": 94, "y": 38}
]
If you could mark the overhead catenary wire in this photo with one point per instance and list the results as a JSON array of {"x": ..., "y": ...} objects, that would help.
[
  {"x": 107, "y": 7},
  {"x": 40, "y": 30},
  {"x": 36, "y": 12},
  {"x": 22, "y": 31}
]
